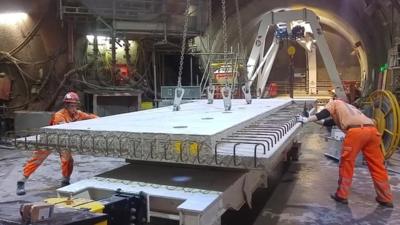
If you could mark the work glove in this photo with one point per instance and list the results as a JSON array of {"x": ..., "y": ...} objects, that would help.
[{"x": 302, "y": 119}]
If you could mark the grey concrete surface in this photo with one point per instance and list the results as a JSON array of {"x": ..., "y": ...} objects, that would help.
[
  {"x": 301, "y": 195},
  {"x": 47, "y": 178}
]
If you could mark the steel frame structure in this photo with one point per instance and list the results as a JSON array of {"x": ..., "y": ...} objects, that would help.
[
  {"x": 145, "y": 17},
  {"x": 260, "y": 62}
]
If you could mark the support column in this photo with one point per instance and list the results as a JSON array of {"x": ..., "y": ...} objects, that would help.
[{"x": 312, "y": 71}]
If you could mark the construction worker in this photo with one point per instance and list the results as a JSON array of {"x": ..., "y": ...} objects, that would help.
[
  {"x": 69, "y": 113},
  {"x": 361, "y": 135}
]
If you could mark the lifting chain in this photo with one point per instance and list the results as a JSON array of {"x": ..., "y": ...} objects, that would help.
[
  {"x": 210, "y": 88},
  {"x": 210, "y": 20},
  {"x": 179, "y": 91},
  {"x": 239, "y": 24},
  {"x": 184, "y": 35},
  {"x": 246, "y": 86},
  {"x": 225, "y": 36},
  {"x": 226, "y": 91}
]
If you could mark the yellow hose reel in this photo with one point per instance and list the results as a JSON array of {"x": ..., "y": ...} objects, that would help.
[{"x": 384, "y": 109}]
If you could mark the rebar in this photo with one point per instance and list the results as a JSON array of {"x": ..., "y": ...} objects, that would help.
[{"x": 241, "y": 148}]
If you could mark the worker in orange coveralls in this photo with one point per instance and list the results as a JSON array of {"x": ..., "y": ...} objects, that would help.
[
  {"x": 361, "y": 135},
  {"x": 69, "y": 113}
]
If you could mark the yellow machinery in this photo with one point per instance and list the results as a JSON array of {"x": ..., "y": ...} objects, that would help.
[
  {"x": 60, "y": 211},
  {"x": 77, "y": 203},
  {"x": 80, "y": 204},
  {"x": 385, "y": 105},
  {"x": 117, "y": 209},
  {"x": 386, "y": 113}
]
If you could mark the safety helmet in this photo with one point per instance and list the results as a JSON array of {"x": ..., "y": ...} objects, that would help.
[{"x": 71, "y": 97}]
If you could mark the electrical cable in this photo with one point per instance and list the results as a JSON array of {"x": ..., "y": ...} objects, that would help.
[
  {"x": 28, "y": 38},
  {"x": 19, "y": 61},
  {"x": 9, "y": 57},
  {"x": 65, "y": 78},
  {"x": 45, "y": 80}
]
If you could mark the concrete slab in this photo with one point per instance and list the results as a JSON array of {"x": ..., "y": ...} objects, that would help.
[
  {"x": 153, "y": 135},
  {"x": 196, "y": 118}
]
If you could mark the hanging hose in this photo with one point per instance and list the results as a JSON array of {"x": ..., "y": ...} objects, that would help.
[
  {"x": 26, "y": 88},
  {"x": 6, "y": 55},
  {"x": 27, "y": 95},
  {"x": 24, "y": 75},
  {"x": 28, "y": 38},
  {"x": 16, "y": 62},
  {"x": 60, "y": 86}
]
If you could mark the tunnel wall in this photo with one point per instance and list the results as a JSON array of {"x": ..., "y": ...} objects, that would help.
[{"x": 45, "y": 52}]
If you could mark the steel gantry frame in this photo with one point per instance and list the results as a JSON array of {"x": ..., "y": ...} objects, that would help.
[{"x": 260, "y": 62}]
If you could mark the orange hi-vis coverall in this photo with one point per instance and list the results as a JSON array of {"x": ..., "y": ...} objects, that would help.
[
  {"x": 361, "y": 135},
  {"x": 67, "y": 161}
]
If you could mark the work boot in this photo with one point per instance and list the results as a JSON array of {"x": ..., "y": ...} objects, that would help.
[
  {"x": 339, "y": 199},
  {"x": 20, "y": 188},
  {"x": 385, "y": 204},
  {"x": 65, "y": 183}
]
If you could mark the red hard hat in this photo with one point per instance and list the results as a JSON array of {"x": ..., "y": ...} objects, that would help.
[{"x": 71, "y": 97}]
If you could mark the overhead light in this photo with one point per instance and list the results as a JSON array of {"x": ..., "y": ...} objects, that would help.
[
  {"x": 12, "y": 17},
  {"x": 100, "y": 39}
]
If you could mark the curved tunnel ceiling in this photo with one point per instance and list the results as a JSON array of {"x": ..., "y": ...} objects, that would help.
[{"x": 355, "y": 20}]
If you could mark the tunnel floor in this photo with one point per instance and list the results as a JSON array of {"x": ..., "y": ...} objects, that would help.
[{"x": 300, "y": 196}]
